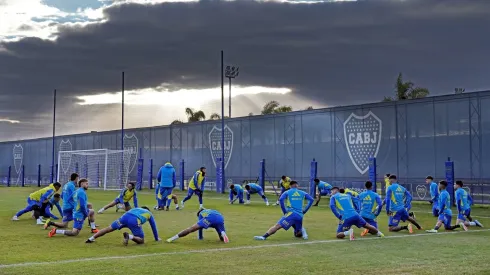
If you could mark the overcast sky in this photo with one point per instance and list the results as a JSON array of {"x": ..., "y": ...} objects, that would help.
[{"x": 304, "y": 53}]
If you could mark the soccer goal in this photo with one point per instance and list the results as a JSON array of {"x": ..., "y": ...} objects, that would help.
[{"x": 105, "y": 169}]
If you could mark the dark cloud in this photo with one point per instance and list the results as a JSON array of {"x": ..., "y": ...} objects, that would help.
[{"x": 334, "y": 53}]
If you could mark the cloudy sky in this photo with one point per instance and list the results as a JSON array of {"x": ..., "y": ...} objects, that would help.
[{"x": 300, "y": 53}]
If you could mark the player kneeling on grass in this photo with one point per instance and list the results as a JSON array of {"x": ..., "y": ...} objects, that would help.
[
  {"x": 45, "y": 210},
  {"x": 398, "y": 203},
  {"x": 293, "y": 212},
  {"x": 253, "y": 188},
  {"x": 371, "y": 206},
  {"x": 36, "y": 200},
  {"x": 206, "y": 218},
  {"x": 133, "y": 220},
  {"x": 80, "y": 213},
  {"x": 124, "y": 197},
  {"x": 236, "y": 190},
  {"x": 342, "y": 206},
  {"x": 463, "y": 203}
]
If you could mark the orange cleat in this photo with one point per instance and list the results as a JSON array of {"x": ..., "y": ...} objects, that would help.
[
  {"x": 410, "y": 228},
  {"x": 364, "y": 233},
  {"x": 95, "y": 230},
  {"x": 52, "y": 232}
]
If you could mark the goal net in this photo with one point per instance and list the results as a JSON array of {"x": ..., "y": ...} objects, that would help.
[{"x": 104, "y": 169}]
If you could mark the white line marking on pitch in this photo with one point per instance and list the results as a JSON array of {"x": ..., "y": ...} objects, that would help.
[{"x": 223, "y": 249}]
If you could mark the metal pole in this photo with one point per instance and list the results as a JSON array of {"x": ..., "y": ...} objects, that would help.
[
  {"x": 229, "y": 104},
  {"x": 54, "y": 132},
  {"x": 222, "y": 122},
  {"x": 122, "y": 114}
]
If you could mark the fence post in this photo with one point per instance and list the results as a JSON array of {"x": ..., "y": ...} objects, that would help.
[
  {"x": 56, "y": 172},
  {"x": 313, "y": 176},
  {"x": 150, "y": 174},
  {"x": 98, "y": 174},
  {"x": 9, "y": 176},
  {"x": 182, "y": 174},
  {"x": 262, "y": 174},
  {"x": 219, "y": 176},
  {"x": 449, "y": 165},
  {"x": 51, "y": 174},
  {"x": 139, "y": 181},
  {"x": 39, "y": 175},
  {"x": 23, "y": 175},
  {"x": 373, "y": 173}
]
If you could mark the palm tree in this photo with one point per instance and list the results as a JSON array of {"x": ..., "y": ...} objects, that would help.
[
  {"x": 273, "y": 107},
  {"x": 193, "y": 116},
  {"x": 406, "y": 90},
  {"x": 214, "y": 116},
  {"x": 177, "y": 121}
]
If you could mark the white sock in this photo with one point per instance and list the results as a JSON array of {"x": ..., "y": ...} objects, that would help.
[
  {"x": 200, "y": 205},
  {"x": 303, "y": 231},
  {"x": 60, "y": 231},
  {"x": 131, "y": 236},
  {"x": 92, "y": 238},
  {"x": 472, "y": 223},
  {"x": 379, "y": 233},
  {"x": 175, "y": 237},
  {"x": 40, "y": 219},
  {"x": 347, "y": 233},
  {"x": 92, "y": 225},
  {"x": 101, "y": 210}
]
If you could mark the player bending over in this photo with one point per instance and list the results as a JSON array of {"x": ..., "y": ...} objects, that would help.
[
  {"x": 206, "y": 218},
  {"x": 354, "y": 195},
  {"x": 387, "y": 184},
  {"x": 463, "y": 203},
  {"x": 80, "y": 213},
  {"x": 236, "y": 190},
  {"x": 128, "y": 193},
  {"x": 397, "y": 205},
  {"x": 133, "y": 220},
  {"x": 45, "y": 210},
  {"x": 68, "y": 203},
  {"x": 370, "y": 206},
  {"x": 342, "y": 206},
  {"x": 167, "y": 181},
  {"x": 323, "y": 190},
  {"x": 196, "y": 186},
  {"x": 36, "y": 199},
  {"x": 285, "y": 185},
  {"x": 253, "y": 188},
  {"x": 293, "y": 212},
  {"x": 434, "y": 195}
]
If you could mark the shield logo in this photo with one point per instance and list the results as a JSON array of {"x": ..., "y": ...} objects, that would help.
[
  {"x": 18, "y": 157},
  {"x": 362, "y": 138},
  {"x": 421, "y": 191},
  {"x": 65, "y": 158},
  {"x": 215, "y": 144},
  {"x": 131, "y": 144}
]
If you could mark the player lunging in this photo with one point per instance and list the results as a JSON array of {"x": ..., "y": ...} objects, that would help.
[
  {"x": 398, "y": 200},
  {"x": 36, "y": 199},
  {"x": 285, "y": 183},
  {"x": 253, "y": 188},
  {"x": 80, "y": 213},
  {"x": 323, "y": 190},
  {"x": 68, "y": 203},
  {"x": 293, "y": 212},
  {"x": 342, "y": 206},
  {"x": 196, "y": 186},
  {"x": 434, "y": 195},
  {"x": 167, "y": 180},
  {"x": 45, "y": 210},
  {"x": 128, "y": 193},
  {"x": 133, "y": 220},
  {"x": 463, "y": 203},
  {"x": 236, "y": 190},
  {"x": 371, "y": 206},
  {"x": 206, "y": 218}
]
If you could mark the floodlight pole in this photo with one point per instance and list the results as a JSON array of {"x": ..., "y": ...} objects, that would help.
[
  {"x": 54, "y": 136},
  {"x": 222, "y": 122},
  {"x": 230, "y": 72},
  {"x": 122, "y": 112},
  {"x": 229, "y": 99}
]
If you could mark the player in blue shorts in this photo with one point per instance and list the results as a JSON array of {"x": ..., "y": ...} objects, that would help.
[
  {"x": 46, "y": 208},
  {"x": 291, "y": 202},
  {"x": 445, "y": 213},
  {"x": 434, "y": 195},
  {"x": 206, "y": 218},
  {"x": 36, "y": 200},
  {"x": 68, "y": 203},
  {"x": 124, "y": 197},
  {"x": 398, "y": 203},
  {"x": 167, "y": 181},
  {"x": 253, "y": 188},
  {"x": 342, "y": 207},
  {"x": 133, "y": 220},
  {"x": 236, "y": 190},
  {"x": 463, "y": 203},
  {"x": 196, "y": 186},
  {"x": 80, "y": 213},
  {"x": 370, "y": 206},
  {"x": 285, "y": 183},
  {"x": 323, "y": 190}
]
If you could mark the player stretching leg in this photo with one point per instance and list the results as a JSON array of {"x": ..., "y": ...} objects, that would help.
[
  {"x": 236, "y": 190},
  {"x": 323, "y": 190},
  {"x": 253, "y": 188},
  {"x": 463, "y": 203},
  {"x": 206, "y": 218},
  {"x": 36, "y": 199},
  {"x": 128, "y": 193},
  {"x": 46, "y": 208},
  {"x": 285, "y": 185},
  {"x": 170, "y": 198},
  {"x": 80, "y": 213},
  {"x": 196, "y": 186},
  {"x": 133, "y": 220},
  {"x": 397, "y": 202},
  {"x": 434, "y": 195},
  {"x": 371, "y": 206},
  {"x": 68, "y": 203},
  {"x": 293, "y": 213}
]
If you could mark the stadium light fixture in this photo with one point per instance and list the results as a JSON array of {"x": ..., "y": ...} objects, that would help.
[{"x": 231, "y": 72}]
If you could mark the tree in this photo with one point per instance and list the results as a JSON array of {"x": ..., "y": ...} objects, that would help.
[
  {"x": 273, "y": 107},
  {"x": 406, "y": 90},
  {"x": 283, "y": 109},
  {"x": 193, "y": 116},
  {"x": 309, "y": 108},
  {"x": 214, "y": 116},
  {"x": 177, "y": 121},
  {"x": 250, "y": 114}
]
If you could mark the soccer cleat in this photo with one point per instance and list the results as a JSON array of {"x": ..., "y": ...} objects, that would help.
[
  {"x": 412, "y": 214},
  {"x": 52, "y": 232},
  {"x": 267, "y": 203},
  {"x": 259, "y": 238},
  {"x": 410, "y": 228},
  {"x": 431, "y": 231},
  {"x": 100, "y": 211},
  {"x": 305, "y": 235},
  {"x": 225, "y": 238},
  {"x": 125, "y": 238},
  {"x": 231, "y": 202},
  {"x": 478, "y": 223},
  {"x": 380, "y": 234},
  {"x": 15, "y": 218},
  {"x": 169, "y": 240},
  {"x": 177, "y": 207},
  {"x": 156, "y": 207},
  {"x": 247, "y": 202},
  {"x": 89, "y": 241},
  {"x": 182, "y": 204},
  {"x": 351, "y": 234},
  {"x": 463, "y": 226},
  {"x": 46, "y": 224},
  {"x": 39, "y": 222},
  {"x": 364, "y": 233},
  {"x": 167, "y": 208},
  {"x": 95, "y": 230}
]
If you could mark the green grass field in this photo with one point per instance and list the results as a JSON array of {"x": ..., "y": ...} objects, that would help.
[{"x": 26, "y": 249}]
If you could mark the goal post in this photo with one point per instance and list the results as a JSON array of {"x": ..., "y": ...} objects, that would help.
[{"x": 105, "y": 169}]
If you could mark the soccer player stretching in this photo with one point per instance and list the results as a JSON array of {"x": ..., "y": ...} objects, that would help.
[
  {"x": 206, "y": 218},
  {"x": 434, "y": 195},
  {"x": 36, "y": 199},
  {"x": 124, "y": 197},
  {"x": 323, "y": 190},
  {"x": 133, "y": 220},
  {"x": 253, "y": 188},
  {"x": 371, "y": 206},
  {"x": 285, "y": 185},
  {"x": 293, "y": 212},
  {"x": 167, "y": 181},
  {"x": 463, "y": 203},
  {"x": 80, "y": 213},
  {"x": 342, "y": 206},
  {"x": 398, "y": 200},
  {"x": 68, "y": 203},
  {"x": 236, "y": 190},
  {"x": 196, "y": 186},
  {"x": 46, "y": 208}
]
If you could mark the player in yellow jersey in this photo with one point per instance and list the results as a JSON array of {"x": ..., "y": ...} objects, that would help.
[
  {"x": 285, "y": 186},
  {"x": 36, "y": 200},
  {"x": 124, "y": 197},
  {"x": 196, "y": 186}
]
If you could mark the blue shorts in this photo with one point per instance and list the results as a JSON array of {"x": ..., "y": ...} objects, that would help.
[
  {"x": 446, "y": 220},
  {"x": 67, "y": 215},
  {"x": 214, "y": 221},
  {"x": 324, "y": 193},
  {"x": 191, "y": 192},
  {"x": 78, "y": 224},
  {"x": 372, "y": 222},
  {"x": 395, "y": 218},
  {"x": 291, "y": 219},
  {"x": 435, "y": 210},
  {"x": 346, "y": 224},
  {"x": 131, "y": 222},
  {"x": 260, "y": 192},
  {"x": 118, "y": 201},
  {"x": 464, "y": 214},
  {"x": 283, "y": 189},
  {"x": 165, "y": 191}
]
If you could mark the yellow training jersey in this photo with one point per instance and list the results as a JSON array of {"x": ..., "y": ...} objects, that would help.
[
  {"x": 196, "y": 181},
  {"x": 353, "y": 193},
  {"x": 39, "y": 193},
  {"x": 285, "y": 183},
  {"x": 387, "y": 183}
]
